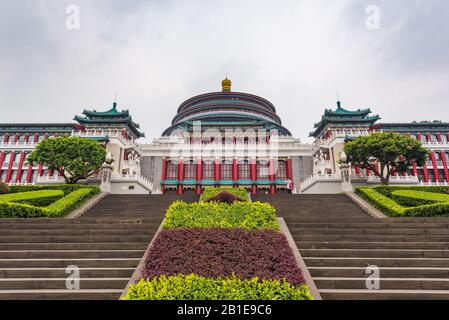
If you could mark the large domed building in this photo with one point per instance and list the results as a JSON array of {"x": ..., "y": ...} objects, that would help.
[{"x": 248, "y": 145}]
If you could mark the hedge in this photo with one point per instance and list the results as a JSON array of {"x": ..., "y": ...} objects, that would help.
[
  {"x": 220, "y": 252},
  {"x": 66, "y": 188},
  {"x": 421, "y": 195},
  {"x": 40, "y": 198},
  {"x": 56, "y": 209},
  {"x": 210, "y": 192},
  {"x": 392, "y": 208},
  {"x": 194, "y": 287},
  {"x": 247, "y": 215}
]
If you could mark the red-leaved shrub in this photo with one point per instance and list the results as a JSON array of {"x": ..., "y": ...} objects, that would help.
[
  {"x": 218, "y": 252},
  {"x": 224, "y": 196}
]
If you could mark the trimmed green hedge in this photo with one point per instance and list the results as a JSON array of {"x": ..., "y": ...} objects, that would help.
[
  {"x": 247, "y": 215},
  {"x": 385, "y": 199},
  {"x": 194, "y": 287},
  {"x": 40, "y": 198},
  {"x": 210, "y": 192},
  {"x": 421, "y": 195},
  {"x": 56, "y": 209},
  {"x": 66, "y": 188}
]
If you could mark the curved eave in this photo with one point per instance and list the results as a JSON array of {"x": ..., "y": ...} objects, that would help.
[
  {"x": 320, "y": 125},
  {"x": 224, "y": 94},
  {"x": 110, "y": 113},
  {"x": 131, "y": 125},
  {"x": 187, "y": 125},
  {"x": 344, "y": 112}
]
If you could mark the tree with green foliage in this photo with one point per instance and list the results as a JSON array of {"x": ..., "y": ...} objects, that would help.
[
  {"x": 392, "y": 152},
  {"x": 76, "y": 158}
]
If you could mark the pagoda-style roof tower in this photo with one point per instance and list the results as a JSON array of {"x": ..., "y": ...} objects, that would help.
[
  {"x": 111, "y": 117},
  {"x": 227, "y": 110},
  {"x": 343, "y": 118}
]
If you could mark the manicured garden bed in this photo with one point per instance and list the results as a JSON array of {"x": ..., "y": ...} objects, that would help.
[
  {"x": 210, "y": 192},
  {"x": 194, "y": 287},
  {"x": 248, "y": 215},
  {"x": 408, "y": 201},
  {"x": 43, "y": 201},
  {"x": 220, "y": 252},
  {"x": 214, "y": 250}
]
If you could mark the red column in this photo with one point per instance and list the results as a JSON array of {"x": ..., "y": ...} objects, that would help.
[
  {"x": 419, "y": 137},
  {"x": 16, "y": 137},
  {"x": 2, "y": 159},
  {"x": 11, "y": 162},
  {"x": 428, "y": 138},
  {"x": 164, "y": 169},
  {"x": 272, "y": 176},
  {"x": 40, "y": 170},
  {"x": 357, "y": 170},
  {"x": 217, "y": 170},
  {"x": 6, "y": 138},
  {"x": 180, "y": 176},
  {"x": 425, "y": 172},
  {"x": 253, "y": 175},
  {"x": 235, "y": 170},
  {"x": 199, "y": 175},
  {"x": 435, "y": 167},
  {"x": 446, "y": 169},
  {"x": 415, "y": 169},
  {"x": 439, "y": 137},
  {"x": 36, "y": 137},
  {"x": 289, "y": 169},
  {"x": 368, "y": 172},
  {"x": 30, "y": 173},
  {"x": 20, "y": 168}
]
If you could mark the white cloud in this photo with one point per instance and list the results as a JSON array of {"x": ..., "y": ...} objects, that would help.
[{"x": 157, "y": 54}]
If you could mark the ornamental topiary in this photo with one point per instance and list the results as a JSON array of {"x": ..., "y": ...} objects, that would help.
[{"x": 225, "y": 197}]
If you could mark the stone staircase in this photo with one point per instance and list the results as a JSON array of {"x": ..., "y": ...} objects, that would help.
[
  {"x": 338, "y": 241},
  {"x": 106, "y": 244}
]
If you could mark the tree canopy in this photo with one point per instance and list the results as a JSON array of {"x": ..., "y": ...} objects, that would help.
[
  {"x": 76, "y": 158},
  {"x": 383, "y": 153}
]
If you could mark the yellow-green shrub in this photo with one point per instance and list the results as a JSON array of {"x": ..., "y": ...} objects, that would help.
[
  {"x": 210, "y": 192},
  {"x": 247, "y": 215},
  {"x": 194, "y": 287}
]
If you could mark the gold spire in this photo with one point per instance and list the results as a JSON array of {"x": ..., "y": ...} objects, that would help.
[{"x": 226, "y": 85}]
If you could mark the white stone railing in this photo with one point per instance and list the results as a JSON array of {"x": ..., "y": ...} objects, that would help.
[
  {"x": 138, "y": 177},
  {"x": 394, "y": 179},
  {"x": 313, "y": 178},
  {"x": 422, "y": 183},
  {"x": 21, "y": 183},
  {"x": 50, "y": 179},
  {"x": 30, "y": 144}
]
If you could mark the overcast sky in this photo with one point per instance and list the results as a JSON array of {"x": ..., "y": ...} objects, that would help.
[{"x": 156, "y": 54}]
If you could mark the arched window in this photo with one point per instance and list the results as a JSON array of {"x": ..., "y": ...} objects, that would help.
[
  {"x": 226, "y": 171},
  {"x": 172, "y": 170},
  {"x": 190, "y": 170},
  {"x": 244, "y": 170},
  {"x": 281, "y": 172}
]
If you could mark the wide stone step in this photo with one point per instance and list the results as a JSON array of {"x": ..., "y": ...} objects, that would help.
[
  {"x": 372, "y": 238},
  {"x": 80, "y": 226},
  {"x": 74, "y": 246},
  {"x": 384, "y": 272},
  {"x": 64, "y": 263},
  {"x": 378, "y": 231},
  {"x": 60, "y": 283},
  {"x": 360, "y": 294},
  {"x": 380, "y": 262},
  {"x": 63, "y": 254},
  {"x": 375, "y": 253},
  {"x": 378, "y": 224},
  {"x": 384, "y": 283},
  {"x": 372, "y": 245},
  {"x": 74, "y": 239},
  {"x": 99, "y": 272},
  {"x": 79, "y": 233},
  {"x": 92, "y": 294}
]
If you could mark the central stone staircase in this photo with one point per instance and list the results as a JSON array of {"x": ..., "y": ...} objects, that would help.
[
  {"x": 338, "y": 241},
  {"x": 106, "y": 244}
]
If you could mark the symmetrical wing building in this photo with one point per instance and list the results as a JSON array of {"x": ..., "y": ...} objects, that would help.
[{"x": 222, "y": 138}]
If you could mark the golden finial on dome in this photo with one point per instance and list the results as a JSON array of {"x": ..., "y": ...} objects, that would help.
[{"x": 226, "y": 84}]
